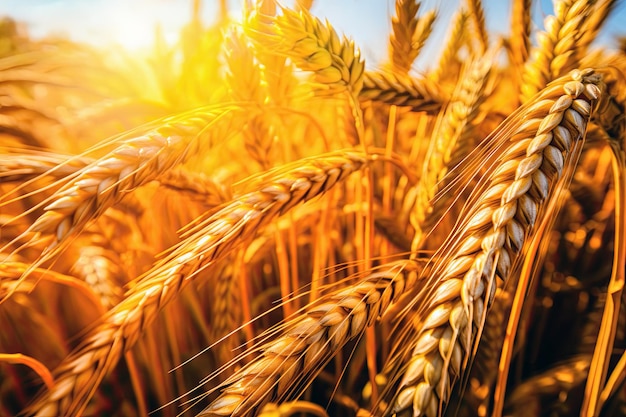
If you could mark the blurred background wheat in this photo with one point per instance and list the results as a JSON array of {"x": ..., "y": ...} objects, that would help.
[{"x": 251, "y": 217}]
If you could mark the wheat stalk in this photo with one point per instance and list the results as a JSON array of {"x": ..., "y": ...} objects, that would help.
[{"x": 491, "y": 237}]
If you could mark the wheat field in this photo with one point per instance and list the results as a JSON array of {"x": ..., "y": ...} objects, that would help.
[{"x": 254, "y": 222}]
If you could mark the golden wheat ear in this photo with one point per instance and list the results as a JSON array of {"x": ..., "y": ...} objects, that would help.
[
  {"x": 558, "y": 46},
  {"x": 88, "y": 192},
  {"x": 420, "y": 95},
  {"x": 308, "y": 341},
  {"x": 491, "y": 237},
  {"x": 452, "y": 140},
  {"x": 410, "y": 31},
  {"x": 315, "y": 46}
]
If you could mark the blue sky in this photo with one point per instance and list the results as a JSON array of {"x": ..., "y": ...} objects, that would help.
[{"x": 366, "y": 21}]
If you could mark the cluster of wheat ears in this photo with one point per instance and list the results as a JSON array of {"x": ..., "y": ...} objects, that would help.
[{"x": 253, "y": 222}]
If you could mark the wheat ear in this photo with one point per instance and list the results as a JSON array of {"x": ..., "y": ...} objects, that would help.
[
  {"x": 310, "y": 339},
  {"x": 449, "y": 55},
  {"x": 226, "y": 319},
  {"x": 101, "y": 269},
  {"x": 527, "y": 398},
  {"x": 520, "y": 26},
  {"x": 197, "y": 185},
  {"x": 291, "y": 408},
  {"x": 519, "y": 40},
  {"x": 25, "y": 166},
  {"x": 450, "y": 143},
  {"x": 602, "y": 9},
  {"x": 82, "y": 371},
  {"x": 107, "y": 180},
  {"x": 403, "y": 26},
  {"x": 421, "y": 95},
  {"x": 556, "y": 52},
  {"x": 477, "y": 16},
  {"x": 409, "y": 33},
  {"x": 491, "y": 237},
  {"x": 244, "y": 75},
  {"x": 246, "y": 81},
  {"x": 485, "y": 364},
  {"x": 315, "y": 46}
]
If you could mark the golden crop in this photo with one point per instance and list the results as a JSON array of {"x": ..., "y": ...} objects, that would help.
[{"x": 256, "y": 222}]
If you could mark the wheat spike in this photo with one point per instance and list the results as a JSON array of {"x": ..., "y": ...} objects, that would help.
[
  {"x": 423, "y": 31},
  {"x": 226, "y": 319},
  {"x": 409, "y": 34},
  {"x": 25, "y": 166},
  {"x": 247, "y": 82},
  {"x": 401, "y": 42},
  {"x": 485, "y": 364},
  {"x": 159, "y": 221},
  {"x": 557, "y": 47},
  {"x": 11, "y": 272},
  {"x": 520, "y": 36},
  {"x": 290, "y": 408},
  {"x": 197, "y": 185},
  {"x": 82, "y": 371},
  {"x": 491, "y": 237},
  {"x": 526, "y": 400},
  {"x": 519, "y": 41},
  {"x": 455, "y": 40},
  {"x": 591, "y": 27},
  {"x": 101, "y": 269},
  {"x": 278, "y": 78},
  {"x": 315, "y": 46},
  {"x": 451, "y": 142},
  {"x": 310, "y": 339},
  {"x": 477, "y": 16},
  {"x": 421, "y": 95},
  {"x": 107, "y": 180},
  {"x": 304, "y": 4}
]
